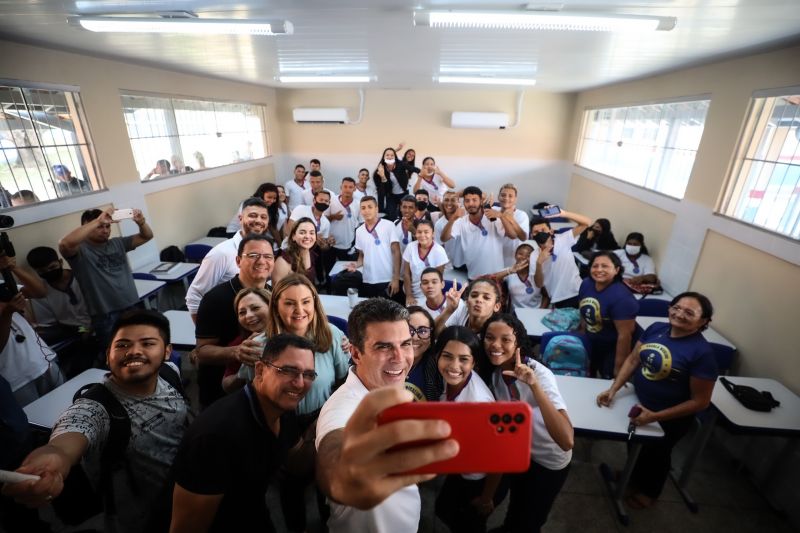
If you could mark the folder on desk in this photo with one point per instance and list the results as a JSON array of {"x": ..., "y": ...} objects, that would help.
[{"x": 163, "y": 268}]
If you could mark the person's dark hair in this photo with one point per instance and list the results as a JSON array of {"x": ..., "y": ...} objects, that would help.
[
  {"x": 315, "y": 174},
  {"x": 299, "y": 166},
  {"x": 636, "y": 236},
  {"x": 431, "y": 322},
  {"x": 413, "y": 160},
  {"x": 431, "y": 270},
  {"x": 315, "y": 161},
  {"x": 495, "y": 286},
  {"x": 408, "y": 198},
  {"x": 323, "y": 191},
  {"x": 255, "y": 201},
  {"x": 604, "y": 241},
  {"x": 250, "y": 237},
  {"x": 368, "y": 199},
  {"x": 165, "y": 163},
  {"x": 707, "y": 310},
  {"x": 89, "y": 215},
  {"x": 540, "y": 205},
  {"x": 614, "y": 258},
  {"x": 428, "y": 157},
  {"x": 294, "y": 254},
  {"x": 535, "y": 220},
  {"x": 464, "y": 335},
  {"x": 422, "y": 191},
  {"x": 265, "y": 188},
  {"x": 473, "y": 190},
  {"x": 369, "y": 312},
  {"x": 277, "y": 344},
  {"x": 520, "y": 333},
  {"x": 272, "y": 210},
  {"x": 143, "y": 317},
  {"x": 41, "y": 256},
  {"x": 363, "y": 170},
  {"x": 423, "y": 222},
  {"x": 349, "y": 179}
]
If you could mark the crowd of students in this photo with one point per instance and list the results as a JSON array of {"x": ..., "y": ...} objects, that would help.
[{"x": 286, "y": 396}]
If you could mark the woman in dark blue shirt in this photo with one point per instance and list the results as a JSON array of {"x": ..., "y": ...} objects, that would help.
[
  {"x": 608, "y": 314},
  {"x": 675, "y": 372}
]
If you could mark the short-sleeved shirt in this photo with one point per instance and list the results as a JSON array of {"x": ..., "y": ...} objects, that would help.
[
  {"x": 230, "y": 450},
  {"x": 640, "y": 266},
  {"x": 668, "y": 363},
  {"x": 344, "y": 230},
  {"x": 158, "y": 422},
  {"x": 376, "y": 245},
  {"x": 523, "y": 291},
  {"x": 399, "y": 513},
  {"x": 544, "y": 450},
  {"x": 218, "y": 266},
  {"x": 599, "y": 309},
  {"x": 452, "y": 247},
  {"x": 105, "y": 276},
  {"x": 308, "y": 195},
  {"x": 60, "y": 307},
  {"x": 509, "y": 244},
  {"x": 323, "y": 225},
  {"x": 294, "y": 193},
  {"x": 435, "y": 257},
  {"x": 403, "y": 237},
  {"x": 435, "y": 187},
  {"x": 22, "y": 362},
  {"x": 481, "y": 244},
  {"x": 561, "y": 276}
]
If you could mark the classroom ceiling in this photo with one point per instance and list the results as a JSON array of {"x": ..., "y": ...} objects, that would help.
[{"x": 378, "y": 37}]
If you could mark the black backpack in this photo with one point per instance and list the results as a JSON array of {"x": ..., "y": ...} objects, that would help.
[{"x": 79, "y": 501}]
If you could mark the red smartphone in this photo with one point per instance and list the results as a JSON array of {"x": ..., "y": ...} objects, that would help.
[{"x": 492, "y": 436}]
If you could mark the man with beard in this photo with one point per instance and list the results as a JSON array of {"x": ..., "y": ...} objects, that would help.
[
  {"x": 234, "y": 449},
  {"x": 158, "y": 415},
  {"x": 220, "y": 264},
  {"x": 217, "y": 323}
]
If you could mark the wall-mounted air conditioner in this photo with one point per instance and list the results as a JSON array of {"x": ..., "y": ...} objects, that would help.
[
  {"x": 464, "y": 119},
  {"x": 320, "y": 115}
]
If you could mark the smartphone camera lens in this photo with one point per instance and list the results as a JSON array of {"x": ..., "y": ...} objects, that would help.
[
  {"x": 500, "y": 429},
  {"x": 512, "y": 429},
  {"x": 519, "y": 418},
  {"x": 494, "y": 419},
  {"x": 506, "y": 418}
]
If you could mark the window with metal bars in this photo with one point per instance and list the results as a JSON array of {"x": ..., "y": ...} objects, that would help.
[
  {"x": 45, "y": 149},
  {"x": 171, "y": 135},
  {"x": 650, "y": 145},
  {"x": 763, "y": 188}
]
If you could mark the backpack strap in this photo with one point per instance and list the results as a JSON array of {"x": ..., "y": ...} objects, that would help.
[{"x": 171, "y": 376}]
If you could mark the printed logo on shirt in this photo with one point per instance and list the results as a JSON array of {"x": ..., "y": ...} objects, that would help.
[
  {"x": 656, "y": 361},
  {"x": 416, "y": 391},
  {"x": 590, "y": 312}
]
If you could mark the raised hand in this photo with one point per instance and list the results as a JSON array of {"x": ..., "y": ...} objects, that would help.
[
  {"x": 453, "y": 296},
  {"x": 522, "y": 372}
]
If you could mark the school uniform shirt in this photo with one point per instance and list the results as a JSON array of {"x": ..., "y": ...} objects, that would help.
[
  {"x": 481, "y": 244},
  {"x": 435, "y": 257},
  {"x": 599, "y": 309},
  {"x": 523, "y": 291},
  {"x": 400, "y": 512},
  {"x": 560, "y": 273},
  {"x": 376, "y": 245},
  {"x": 344, "y": 230},
  {"x": 452, "y": 247},
  {"x": 435, "y": 187},
  {"x": 641, "y": 266},
  {"x": 308, "y": 195},
  {"x": 667, "y": 364},
  {"x": 294, "y": 193},
  {"x": 459, "y": 316},
  {"x": 435, "y": 311},
  {"x": 474, "y": 391},
  {"x": 304, "y": 211},
  {"x": 403, "y": 237},
  {"x": 510, "y": 245},
  {"x": 544, "y": 450}
]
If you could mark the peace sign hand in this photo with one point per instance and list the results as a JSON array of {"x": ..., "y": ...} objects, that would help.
[
  {"x": 522, "y": 372},
  {"x": 454, "y": 296}
]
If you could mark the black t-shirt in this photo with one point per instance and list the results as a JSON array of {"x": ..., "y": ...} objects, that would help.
[
  {"x": 216, "y": 319},
  {"x": 230, "y": 450}
]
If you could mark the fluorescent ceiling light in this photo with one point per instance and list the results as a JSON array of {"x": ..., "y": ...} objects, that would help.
[
  {"x": 324, "y": 79},
  {"x": 186, "y": 25},
  {"x": 485, "y": 80},
  {"x": 525, "y": 20}
]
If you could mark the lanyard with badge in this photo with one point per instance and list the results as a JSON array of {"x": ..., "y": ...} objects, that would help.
[
  {"x": 528, "y": 286},
  {"x": 424, "y": 258},
  {"x": 347, "y": 207},
  {"x": 372, "y": 231},
  {"x": 484, "y": 232}
]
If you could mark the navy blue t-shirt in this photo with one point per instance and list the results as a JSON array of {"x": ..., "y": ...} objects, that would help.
[
  {"x": 599, "y": 309},
  {"x": 667, "y": 363}
]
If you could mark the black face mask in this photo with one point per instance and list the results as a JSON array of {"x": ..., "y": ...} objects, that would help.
[
  {"x": 51, "y": 276},
  {"x": 320, "y": 206},
  {"x": 541, "y": 238},
  {"x": 422, "y": 205}
]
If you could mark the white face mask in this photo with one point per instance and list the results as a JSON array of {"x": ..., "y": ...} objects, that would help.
[
  {"x": 632, "y": 250},
  {"x": 389, "y": 161}
]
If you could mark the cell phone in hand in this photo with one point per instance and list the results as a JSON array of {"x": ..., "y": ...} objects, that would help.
[
  {"x": 492, "y": 436},
  {"x": 121, "y": 214},
  {"x": 549, "y": 211}
]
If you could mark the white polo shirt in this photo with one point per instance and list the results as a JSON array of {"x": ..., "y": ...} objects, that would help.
[
  {"x": 510, "y": 245},
  {"x": 644, "y": 262},
  {"x": 561, "y": 276},
  {"x": 482, "y": 245},
  {"x": 403, "y": 237},
  {"x": 452, "y": 247},
  {"x": 304, "y": 211},
  {"x": 377, "y": 257},
  {"x": 524, "y": 292},
  {"x": 294, "y": 193},
  {"x": 399, "y": 512},
  {"x": 308, "y": 196},
  {"x": 436, "y": 257},
  {"x": 344, "y": 230},
  {"x": 436, "y": 188}
]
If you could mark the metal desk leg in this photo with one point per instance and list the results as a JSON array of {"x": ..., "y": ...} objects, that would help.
[
  {"x": 699, "y": 444},
  {"x": 617, "y": 488}
]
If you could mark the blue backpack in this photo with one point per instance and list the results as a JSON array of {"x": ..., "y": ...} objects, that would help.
[
  {"x": 566, "y": 355},
  {"x": 566, "y": 319}
]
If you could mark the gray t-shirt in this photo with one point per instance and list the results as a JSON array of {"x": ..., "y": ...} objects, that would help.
[
  {"x": 105, "y": 276},
  {"x": 158, "y": 422},
  {"x": 57, "y": 307}
]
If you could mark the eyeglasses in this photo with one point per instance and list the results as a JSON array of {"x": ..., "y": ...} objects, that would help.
[
  {"x": 688, "y": 313},
  {"x": 254, "y": 256},
  {"x": 293, "y": 373},
  {"x": 423, "y": 332}
]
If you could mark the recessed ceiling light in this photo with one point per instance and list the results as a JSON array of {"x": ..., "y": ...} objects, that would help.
[
  {"x": 324, "y": 79},
  {"x": 200, "y": 26},
  {"x": 485, "y": 80},
  {"x": 559, "y": 21}
]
